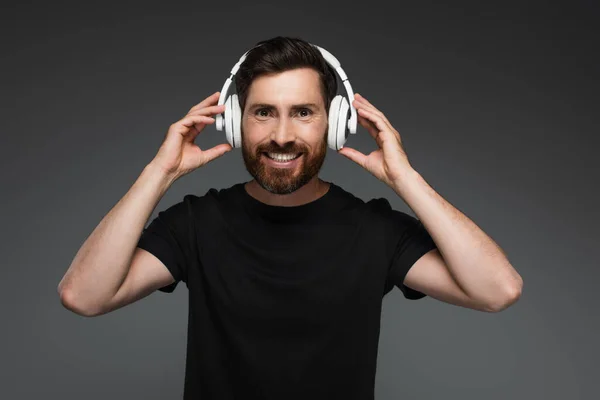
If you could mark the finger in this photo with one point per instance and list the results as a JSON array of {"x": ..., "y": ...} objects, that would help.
[
  {"x": 362, "y": 102},
  {"x": 198, "y": 127},
  {"x": 216, "y": 151},
  {"x": 211, "y": 110},
  {"x": 369, "y": 126},
  {"x": 363, "y": 106},
  {"x": 372, "y": 129},
  {"x": 212, "y": 99},
  {"x": 353, "y": 155},
  {"x": 375, "y": 119},
  {"x": 362, "y": 99},
  {"x": 192, "y": 125}
]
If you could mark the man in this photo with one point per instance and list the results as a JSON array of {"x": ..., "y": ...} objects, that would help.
[{"x": 286, "y": 273}]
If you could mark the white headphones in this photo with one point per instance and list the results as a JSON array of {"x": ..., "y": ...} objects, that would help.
[{"x": 340, "y": 123}]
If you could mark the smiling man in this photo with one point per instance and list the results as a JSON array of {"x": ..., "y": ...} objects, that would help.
[
  {"x": 284, "y": 142},
  {"x": 285, "y": 273}
]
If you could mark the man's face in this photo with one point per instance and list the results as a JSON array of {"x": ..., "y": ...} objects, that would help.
[{"x": 284, "y": 114}]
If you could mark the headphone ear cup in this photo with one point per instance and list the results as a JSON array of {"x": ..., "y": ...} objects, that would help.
[
  {"x": 236, "y": 119},
  {"x": 227, "y": 117},
  {"x": 334, "y": 109},
  {"x": 342, "y": 129}
]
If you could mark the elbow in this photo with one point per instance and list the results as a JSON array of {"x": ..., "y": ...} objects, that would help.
[
  {"x": 68, "y": 301},
  {"x": 512, "y": 295}
]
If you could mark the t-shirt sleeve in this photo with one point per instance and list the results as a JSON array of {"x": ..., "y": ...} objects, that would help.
[
  {"x": 408, "y": 240},
  {"x": 168, "y": 238}
]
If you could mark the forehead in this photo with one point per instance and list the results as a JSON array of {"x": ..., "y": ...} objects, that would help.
[{"x": 286, "y": 88}]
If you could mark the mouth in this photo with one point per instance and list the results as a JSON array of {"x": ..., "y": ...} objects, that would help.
[{"x": 282, "y": 164}]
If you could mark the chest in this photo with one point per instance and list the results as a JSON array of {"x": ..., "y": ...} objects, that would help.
[{"x": 302, "y": 280}]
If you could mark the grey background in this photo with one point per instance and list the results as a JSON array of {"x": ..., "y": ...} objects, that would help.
[{"x": 497, "y": 106}]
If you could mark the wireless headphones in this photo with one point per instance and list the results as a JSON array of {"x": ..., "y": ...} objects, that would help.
[{"x": 340, "y": 123}]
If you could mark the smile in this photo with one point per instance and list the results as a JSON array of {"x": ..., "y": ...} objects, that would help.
[{"x": 282, "y": 164}]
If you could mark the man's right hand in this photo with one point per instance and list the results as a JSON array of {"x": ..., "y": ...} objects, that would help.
[{"x": 179, "y": 155}]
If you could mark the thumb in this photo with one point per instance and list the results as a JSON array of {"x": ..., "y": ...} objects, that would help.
[
  {"x": 353, "y": 155},
  {"x": 217, "y": 151}
]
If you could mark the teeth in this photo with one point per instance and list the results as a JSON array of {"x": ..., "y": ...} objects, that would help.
[{"x": 282, "y": 157}]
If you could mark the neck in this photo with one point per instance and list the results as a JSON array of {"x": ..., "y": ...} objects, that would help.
[{"x": 313, "y": 190}]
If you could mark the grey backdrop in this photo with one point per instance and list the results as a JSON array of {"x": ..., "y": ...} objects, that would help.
[{"x": 497, "y": 106}]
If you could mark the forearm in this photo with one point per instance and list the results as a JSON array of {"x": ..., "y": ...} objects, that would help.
[
  {"x": 101, "y": 264},
  {"x": 478, "y": 265}
]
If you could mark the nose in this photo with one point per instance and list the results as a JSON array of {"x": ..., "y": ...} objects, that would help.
[{"x": 283, "y": 132}]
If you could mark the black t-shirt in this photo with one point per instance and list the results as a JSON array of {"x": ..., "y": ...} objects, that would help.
[{"x": 284, "y": 302}]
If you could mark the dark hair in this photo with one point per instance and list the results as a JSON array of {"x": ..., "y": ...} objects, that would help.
[{"x": 281, "y": 54}]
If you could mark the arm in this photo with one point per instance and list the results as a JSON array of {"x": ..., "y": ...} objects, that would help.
[
  {"x": 469, "y": 269},
  {"x": 101, "y": 265},
  {"x": 109, "y": 270}
]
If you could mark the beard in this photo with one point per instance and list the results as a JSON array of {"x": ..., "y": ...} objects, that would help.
[{"x": 284, "y": 180}]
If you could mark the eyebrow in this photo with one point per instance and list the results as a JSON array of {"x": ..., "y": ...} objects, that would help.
[{"x": 271, "y": 106}]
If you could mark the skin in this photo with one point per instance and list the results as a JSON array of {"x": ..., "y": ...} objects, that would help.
[{"x": 283, "y": 129}]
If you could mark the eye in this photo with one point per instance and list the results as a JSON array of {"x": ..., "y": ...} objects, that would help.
[
  {"x": 257, "y": 112},
  {"x": 264, "y": 112},
  {"x": 307, "y": 110}
]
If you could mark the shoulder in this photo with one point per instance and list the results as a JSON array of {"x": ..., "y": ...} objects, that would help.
[
  {"x": 213, "y": 202},
  {"x": 375, "y": 210},
  {"x": 187, "y": 206},
  {"x": 381, "y": 209},
  {"x": 194, "y": 202},
  {"x": 176, "y": 215}
]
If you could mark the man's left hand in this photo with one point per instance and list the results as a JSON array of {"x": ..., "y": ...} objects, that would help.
[{"x": 389, "y": 163}]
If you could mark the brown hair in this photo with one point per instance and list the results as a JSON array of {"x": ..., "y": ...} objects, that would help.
[{"x": 281, "y": 54}]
